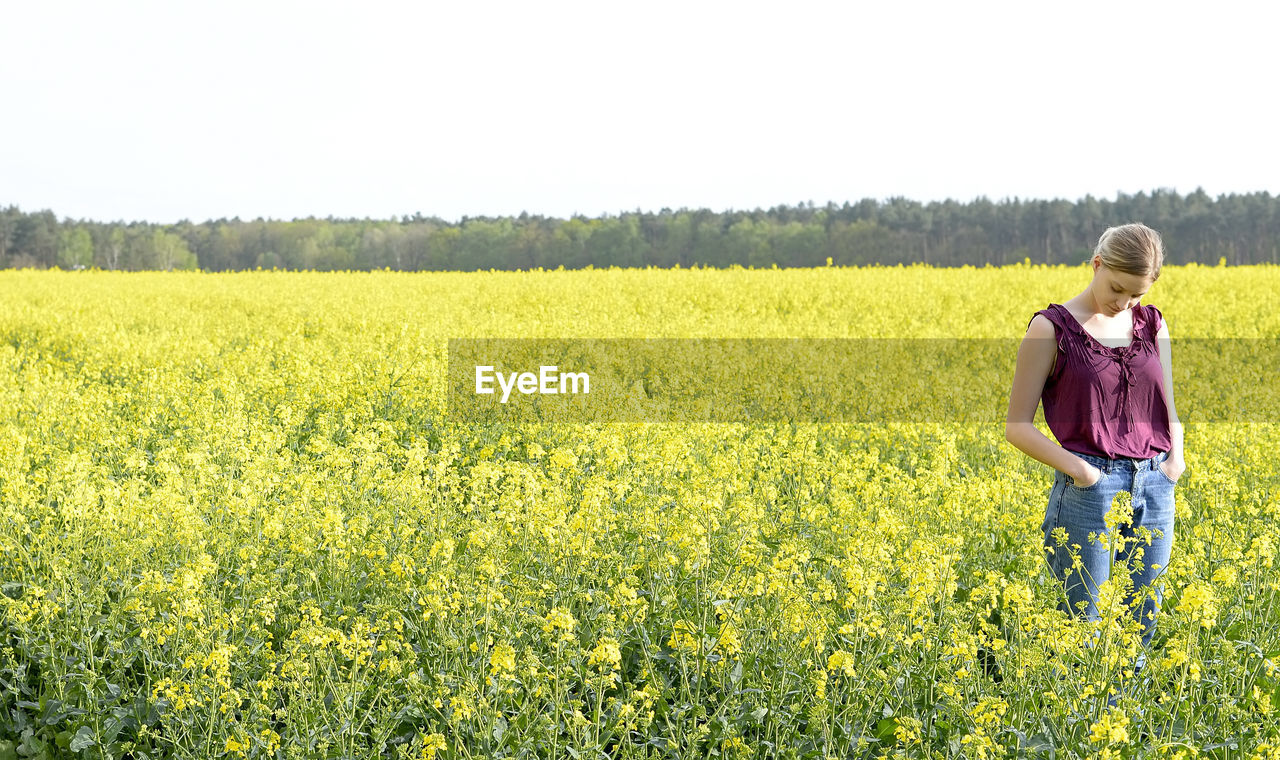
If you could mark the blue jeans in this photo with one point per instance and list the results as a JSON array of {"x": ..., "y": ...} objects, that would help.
[{"x": 1082, "y": 510}]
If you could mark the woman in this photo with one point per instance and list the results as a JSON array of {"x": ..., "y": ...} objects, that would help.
[{"x": 1101, "y": 364}]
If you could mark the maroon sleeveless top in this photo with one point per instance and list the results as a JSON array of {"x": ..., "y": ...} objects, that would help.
[{"x": 1104, "y": 401}]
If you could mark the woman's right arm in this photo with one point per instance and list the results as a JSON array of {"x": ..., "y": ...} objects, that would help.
[{"x": 1035, "y": 360}]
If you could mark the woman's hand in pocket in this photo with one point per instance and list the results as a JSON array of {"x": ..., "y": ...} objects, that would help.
[
  {"x": 1172, "y": 468},
  {"x": 1090, "y": 477}
]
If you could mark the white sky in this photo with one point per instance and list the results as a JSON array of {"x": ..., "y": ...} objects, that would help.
[{"x": 166, "y": 110}]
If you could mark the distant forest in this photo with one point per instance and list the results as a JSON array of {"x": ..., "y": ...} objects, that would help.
[{"x": 1242, "y": 229}]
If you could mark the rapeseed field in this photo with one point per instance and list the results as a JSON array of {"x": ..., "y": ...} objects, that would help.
[{"x": 238, "y": 521}]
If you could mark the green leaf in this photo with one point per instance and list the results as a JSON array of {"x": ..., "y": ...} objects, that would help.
[
  {"x": 83, "y": 739},
  {"x": 885, "y": 729},
  {"x": 30, "y": 744}
]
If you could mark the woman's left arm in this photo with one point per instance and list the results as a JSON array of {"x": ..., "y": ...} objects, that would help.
[{"x": 1174, "y": 465}]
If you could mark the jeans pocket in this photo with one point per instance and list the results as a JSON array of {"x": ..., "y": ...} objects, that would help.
[
  {"x": 1167, "y": 479},
  {"x": 1054, "y": 506},
  {"x": 1071, "y": 483}
]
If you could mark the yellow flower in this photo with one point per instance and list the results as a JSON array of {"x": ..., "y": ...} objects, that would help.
[
  {"x": 606, "y": 655},
  {"x": 734, "y": 747},
  {"x": 1111, "y": 728},
  {"x": 729, "y": 642},
  {"x": 842, "y": 661},
  {"x": 683, "y": 638},
  {"x": 502, "y": 660},
  {"x": 1120, "y": 513},
  {"x": 431, "y": 744},
  {"x": 271, "y": 739},
  {"x": 560, "y": 620},
  {"x": 1199, "y": 604},
  {"x": 460, "y": 709},
  {"x": 986, "y": 714},
  {"x": 908, "y": 730}
]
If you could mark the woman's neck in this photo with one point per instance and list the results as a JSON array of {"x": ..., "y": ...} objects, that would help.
[{"x": 1085, "y": 304}]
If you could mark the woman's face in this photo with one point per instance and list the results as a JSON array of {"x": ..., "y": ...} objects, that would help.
[{"x": 1115, "y": 291}]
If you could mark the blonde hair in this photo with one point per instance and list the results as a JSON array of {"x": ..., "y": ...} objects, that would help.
[{"x": 1132, "y": 249}]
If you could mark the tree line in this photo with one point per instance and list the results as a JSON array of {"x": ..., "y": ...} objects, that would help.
[{"x": 1240, "y": 228}]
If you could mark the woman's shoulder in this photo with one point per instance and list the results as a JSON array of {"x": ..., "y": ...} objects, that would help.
[
  {"x": 1041, "y": 326},
  {"x": 1152, "y": 319},
  {"x": 1060, "y": 316},
  {"x": 1043, "y": 322},
  {"x": 1051, "y": 311}
]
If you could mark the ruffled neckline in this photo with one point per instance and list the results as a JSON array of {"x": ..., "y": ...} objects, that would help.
[
  {"x": 1121, "y": 355},
  {"x": 1096, "y": 346}
]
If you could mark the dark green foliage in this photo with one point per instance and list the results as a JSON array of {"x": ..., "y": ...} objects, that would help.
[{"x": 1243, "y": 229}]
